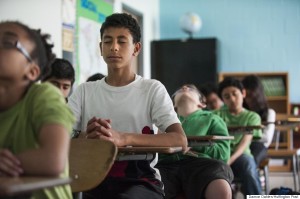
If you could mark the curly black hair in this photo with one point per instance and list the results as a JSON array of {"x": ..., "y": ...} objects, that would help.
[
  {"x": 61, "y": 69},
  {"x": 95, "y": 77},
  {"x": 208, "y": 88},
  {"x": 123, "y": 20}
]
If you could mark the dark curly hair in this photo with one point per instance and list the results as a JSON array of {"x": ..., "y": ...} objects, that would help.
[
  {"x": 208, "y": 88},
  {"x": 122, "y": 20},
  {"x": 42, "y": 54},
  {"x": 95, "y": 77},
  {"x": 61, "y": 69},
  {"x": 227, "y": 82}
]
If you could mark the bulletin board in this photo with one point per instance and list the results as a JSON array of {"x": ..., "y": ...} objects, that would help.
[{"x": 90, "y": 15}]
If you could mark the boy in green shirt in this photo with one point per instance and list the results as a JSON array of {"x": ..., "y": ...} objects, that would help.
[
  {"x": 241, "y": 161},
  {"x": 34, "y": 118},
  {"x": 197, "y": 177}
]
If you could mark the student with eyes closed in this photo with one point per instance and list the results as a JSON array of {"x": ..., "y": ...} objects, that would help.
[
  {"x": 241, "y": 160},
  {"x": 123, "y": 108},
  {"x": 197, "y": 176}
]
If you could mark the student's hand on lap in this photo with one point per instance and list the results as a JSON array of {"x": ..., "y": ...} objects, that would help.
[{"x": 9, "y": 164}]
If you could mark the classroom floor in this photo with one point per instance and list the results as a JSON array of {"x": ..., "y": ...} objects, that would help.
[{"x": 277, "y": 179}]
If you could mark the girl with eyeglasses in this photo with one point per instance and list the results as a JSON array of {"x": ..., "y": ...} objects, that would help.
[{"x": 34, "y": 118}]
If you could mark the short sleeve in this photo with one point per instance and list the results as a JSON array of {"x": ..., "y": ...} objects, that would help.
[{"x": 49, "y": 107}]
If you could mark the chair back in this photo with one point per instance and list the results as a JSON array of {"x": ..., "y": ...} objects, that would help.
[{"x": 89, "y": 161}]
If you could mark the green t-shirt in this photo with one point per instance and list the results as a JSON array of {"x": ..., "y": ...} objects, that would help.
[
  {"x": 245, "y": 118},
  {"x": 20, "y": 125},
  {"x": 202, "y": 123}
]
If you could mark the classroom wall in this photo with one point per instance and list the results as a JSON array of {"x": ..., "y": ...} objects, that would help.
[
  {"x": 150, "y": 12},
  {"x": 253, "y": 35},
  {"x": 42, "y": 14},
  {"x": 46, "y": 15}
]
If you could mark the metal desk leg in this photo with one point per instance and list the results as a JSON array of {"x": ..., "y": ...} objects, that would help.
[{"x": 295, "y": 172}]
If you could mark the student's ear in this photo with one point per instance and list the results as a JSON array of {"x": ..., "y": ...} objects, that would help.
[
  {"x": 244, "y": 93},
  {"x": 33, "y": 72},
  {"x": 100, "y": 46},
  {"x": 137, "y": 48},
  {"x": 201, "y": 105}
]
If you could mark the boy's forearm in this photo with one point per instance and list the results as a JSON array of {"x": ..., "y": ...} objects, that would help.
[
  {"x": 39, "y": 162},
  {"x": 162, "y": 139},
  {"x": 241, "y": 147}
]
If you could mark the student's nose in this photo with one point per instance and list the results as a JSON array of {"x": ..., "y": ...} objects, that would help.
[
  {"x": 114, "y": 46},
  {"x": 232, "y": 98}
]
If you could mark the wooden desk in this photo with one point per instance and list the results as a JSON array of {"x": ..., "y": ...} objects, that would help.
[
  {"x": 243, "y": 129},
  {"x": 143, "y": 153},
  {"x": 147, "y": 153},
  {"x": 208, "y": 140},
  {"x": 13, "y": 186}
]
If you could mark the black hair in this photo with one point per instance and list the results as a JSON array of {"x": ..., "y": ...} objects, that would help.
[
  {"x": 260, "y": 104},
  {"x": 42, "y": 53},
  {"x": 208, "y": 88},
  {"x": 227, "y": 82},
  {"x": 95, "y": 77},
  {"x": 122, "y": 20},
  {"x": 61, "y": 69}
]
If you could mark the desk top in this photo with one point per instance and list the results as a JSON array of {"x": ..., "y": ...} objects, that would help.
[
  {"x": 244, "y": 129},
  {"x": 138, "y": 149},
  {"x": 209, "y": 138},
  {"x": 11, "y": 186}
]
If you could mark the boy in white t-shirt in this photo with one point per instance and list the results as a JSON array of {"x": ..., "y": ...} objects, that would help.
[{"x": 122, "y": 108}]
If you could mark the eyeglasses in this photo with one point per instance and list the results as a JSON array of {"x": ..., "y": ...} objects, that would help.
[{"x": 10, "y": 44}]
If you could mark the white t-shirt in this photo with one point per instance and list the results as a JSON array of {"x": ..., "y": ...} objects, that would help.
[
  {"x": 134, "y": 108},
  {"x": 142, "y": 103}
]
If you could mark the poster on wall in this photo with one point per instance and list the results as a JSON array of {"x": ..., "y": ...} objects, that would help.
[
  {"x": 68, "y": 30},
  {"x": 90, "y": 15}
]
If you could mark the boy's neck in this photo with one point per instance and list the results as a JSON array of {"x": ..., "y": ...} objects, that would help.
[
  {"x": 119, "y": 78},
  {"x": 236, "y": 111},
  {"x": 185, "y": 110}
]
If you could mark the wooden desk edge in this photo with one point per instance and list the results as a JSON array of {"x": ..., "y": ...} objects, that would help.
[
  {"x": 149, "y": 149},
  {"x": 209, "y": 138},
  {"x": 16, "y": 185},
  {"x": 245, "y": 127}
]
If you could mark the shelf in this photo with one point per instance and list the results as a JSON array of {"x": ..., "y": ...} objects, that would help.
[
  {"x": 276, "y": 98},
  {"x": 276, "y": 88}
]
